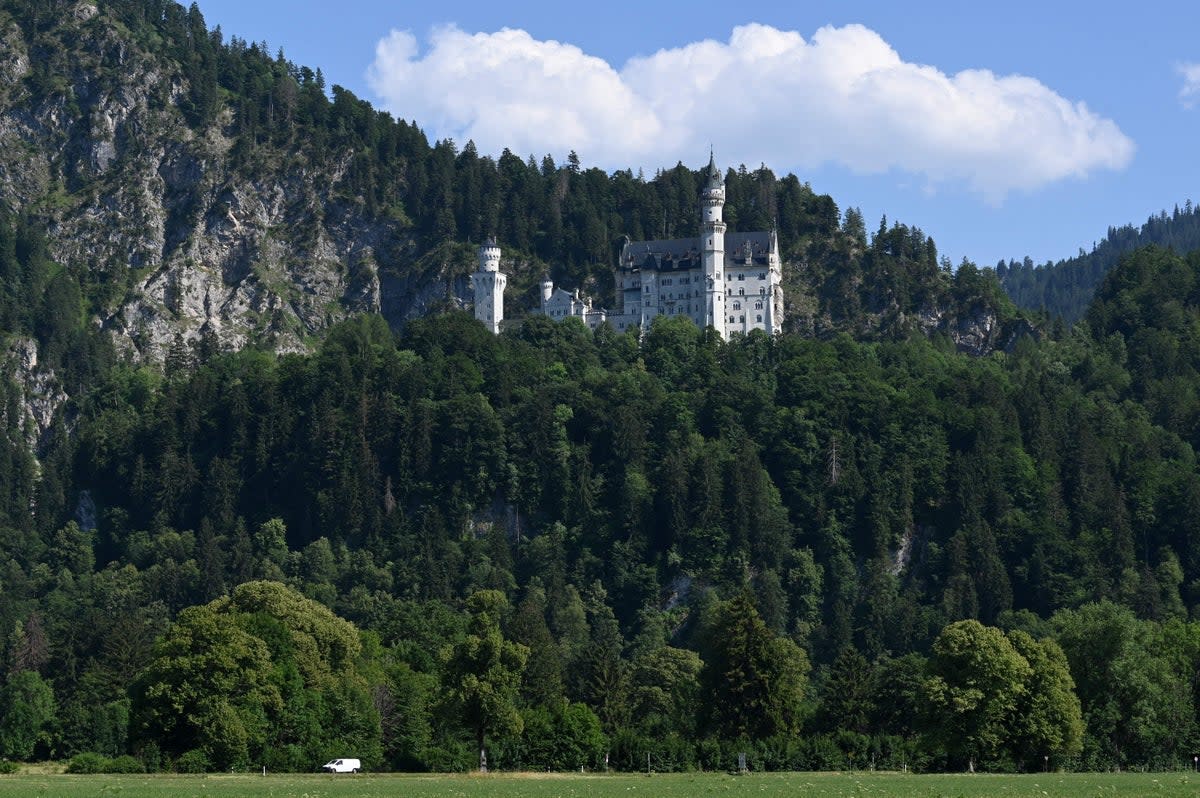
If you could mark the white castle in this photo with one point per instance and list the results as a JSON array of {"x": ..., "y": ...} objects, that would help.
[{"x": 729, "y": 282}]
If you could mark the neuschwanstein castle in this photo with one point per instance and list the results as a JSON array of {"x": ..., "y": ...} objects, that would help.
[{"x": 730, "y": 282}]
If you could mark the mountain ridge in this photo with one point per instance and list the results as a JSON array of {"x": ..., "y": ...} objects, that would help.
[
  {"x": 1064, "y": 289},
  {"x": 198, "y": 186}
]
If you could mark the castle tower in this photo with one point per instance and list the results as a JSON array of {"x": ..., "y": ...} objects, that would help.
[
  {"x": 547, "y": 292},
  {"x": 489, "y": 284},
  {"x": 712, "y": 253},
  {"x": 775, "y": 290}
]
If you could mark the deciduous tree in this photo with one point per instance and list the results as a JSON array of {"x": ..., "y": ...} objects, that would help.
[
  {"x": 483, "y": 673},
  {"x": 975, "y": 684}
]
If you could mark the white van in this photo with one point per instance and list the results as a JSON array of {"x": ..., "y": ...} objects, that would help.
[{"x": 342, "y": 766}]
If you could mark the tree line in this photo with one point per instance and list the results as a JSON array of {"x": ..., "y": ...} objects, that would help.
[
  {"x": 1064, "y": 289},
  {"x": 691, "y": 545}
]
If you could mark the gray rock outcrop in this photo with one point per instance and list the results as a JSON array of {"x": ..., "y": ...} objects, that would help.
[{"x": 186, "y": 236}]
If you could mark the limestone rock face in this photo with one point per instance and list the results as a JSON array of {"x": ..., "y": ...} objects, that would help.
[
  {"x": 268, "y": 247},
  {"x": 42, "y": 395},
  {"x": 979, "y": 330}
]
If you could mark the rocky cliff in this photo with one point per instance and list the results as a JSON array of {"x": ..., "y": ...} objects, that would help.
[{"x": 176, "y": 236}]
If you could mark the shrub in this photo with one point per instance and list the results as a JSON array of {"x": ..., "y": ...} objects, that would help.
[
  {"x": 151, "y": 756},
  {"x": 88, "y": 762},
  {"x": 91, "y": 762},
  {"x": 7, "y": 766},
  {"x": 194, "y": 761},
  {"x": 125, "y": 764}
]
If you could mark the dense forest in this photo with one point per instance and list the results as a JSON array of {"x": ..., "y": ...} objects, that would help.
[
  {"x": 568, "y": 545},
  {"x": 883, "y": 539},
  {"x": 1064, "y": 289}
]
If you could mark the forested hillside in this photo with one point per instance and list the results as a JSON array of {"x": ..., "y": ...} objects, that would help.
[
  {"x": 674, "y": 546},
  {"x": 1065, "y": 289},
  {"x": 269, "y": 495}
]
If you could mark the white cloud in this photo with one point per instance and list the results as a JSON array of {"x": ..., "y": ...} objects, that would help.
[
  {"x": 766, "y": 95},
  {"x": 1189, "y": 94}
]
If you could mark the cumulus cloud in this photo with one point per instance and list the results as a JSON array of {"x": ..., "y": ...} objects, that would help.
[
  {"x": 1189, "y": 94},
  {"x": 765, "y": 95}
]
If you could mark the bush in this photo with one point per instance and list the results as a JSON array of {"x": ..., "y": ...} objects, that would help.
[
  {"x": 125, "y": 764},
  {"x": 566, "y": 737},
  {"x": 194, "y": 761},
  {"x": 708, "y": 754},
  {"x": 7, "y": 766},
  {"x": 91, "y": 762},
  {"x": 87, "y": 762},
  {"x": 289, "y": 758},
  {"x": 151, "y": 756},
  {"x": 451, "y": 756}
]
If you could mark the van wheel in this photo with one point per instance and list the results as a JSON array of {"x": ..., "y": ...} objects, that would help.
[{"x": 355, "y": 770}]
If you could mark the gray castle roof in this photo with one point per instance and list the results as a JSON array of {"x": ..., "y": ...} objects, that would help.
[
  {"x": 684, "y": 253},
  {"x": 715, "y": 178},
  {"x": 760, "y": 247},
  {"x": 672, "y": 255}
]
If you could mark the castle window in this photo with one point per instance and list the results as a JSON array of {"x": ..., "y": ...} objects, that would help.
[
  {"x": 762, "y": 275},
  {"x": 732, "y": 319},
  {"x": 737, "y": 305},
  {"x": 741, "y": 276},
  {"x": 760, "y": 317},
  {"x": 741, "y": 292},
  {"x": 758, "y": 306},
  {"x": 728, "y": 292},
  {"x": 742, "y": 320}
]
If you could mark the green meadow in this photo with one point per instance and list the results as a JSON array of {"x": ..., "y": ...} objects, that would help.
[{"x": 685, "y": 785}]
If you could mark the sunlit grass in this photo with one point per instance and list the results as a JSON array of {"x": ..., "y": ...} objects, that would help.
[{"x": 43, "y": 782}]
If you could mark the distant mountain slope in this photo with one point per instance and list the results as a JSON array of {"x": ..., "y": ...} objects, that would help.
[
  {"x": 1064, "y": 289},
  {"x": 202, "y": 188}
]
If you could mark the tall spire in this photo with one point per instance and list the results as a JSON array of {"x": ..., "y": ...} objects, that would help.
[{"x": 714, "y": 174}]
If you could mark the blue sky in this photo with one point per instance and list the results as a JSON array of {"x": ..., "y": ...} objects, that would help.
[{"x": 1002, "y": 130}]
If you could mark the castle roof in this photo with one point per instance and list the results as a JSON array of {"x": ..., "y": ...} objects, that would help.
[
  {"x": 715, "y": 178},
  {"x": 677, "y": 253},
  {"x": 684, "y": 253}
]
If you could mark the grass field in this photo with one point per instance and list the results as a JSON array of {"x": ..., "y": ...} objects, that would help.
[{"x": 687, "y": 785}]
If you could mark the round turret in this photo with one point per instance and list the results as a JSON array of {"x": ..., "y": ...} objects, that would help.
[
  {"x": 547, "y": 289},
  {"x": 489, "y": 256},
  {"x": 489, "y": 284}
]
